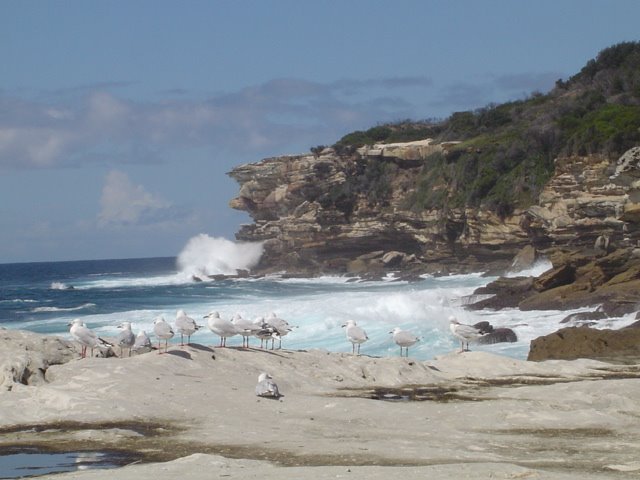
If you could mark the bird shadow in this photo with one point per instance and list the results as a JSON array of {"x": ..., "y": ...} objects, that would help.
[
  {"x": 180, "y": 353},
  {"x": 271, "y": 397},
  {"x": 198, "y": 346}
]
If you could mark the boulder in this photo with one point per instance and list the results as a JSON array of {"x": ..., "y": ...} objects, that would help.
[
  {"x": 26, "y": 356},
  {"x": 507, "y": 292},
  {"x": 556, "y": 277},
  {"x": 498, "y": 335},
  {"x": 584, "y": 342},
  {"x": 585, "y": 317},
  {"x": 525, "y": 259},
  {"x": 393, "y": 259}
]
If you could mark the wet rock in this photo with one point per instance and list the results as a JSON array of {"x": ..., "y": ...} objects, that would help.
[
  {"x": 508, "y": 293},
  {"x": 584, "y": 342},
  {"x": 498, "y": 335},
  {"x": 555, "y": 278},
  {"x": 584, "y": 317},
  {"x": 525, "y": 259}
]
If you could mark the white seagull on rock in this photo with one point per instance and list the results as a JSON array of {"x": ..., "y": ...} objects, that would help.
[
  {"x": 125, "y": 339},
  {"x": 220, "y": 326},
  {"x": 162, "y": 331},
  {"x": 86, "y": 337},
  {"x": 404, "y": 339},
  {"x": 265, "y": 331},
  {"x": 280, "y": 328},
  {"x": 355, "y": 335},
  {"x": 142, "y": 341},
  {"x": 245, "y": 327},
  {"x": 266, "y": 387},
  {"x": 466, "y": 333},
  {"x": 185, "y": 326}
]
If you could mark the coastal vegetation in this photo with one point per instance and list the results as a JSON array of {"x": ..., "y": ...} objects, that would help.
[{"x": 505, "y": 152}]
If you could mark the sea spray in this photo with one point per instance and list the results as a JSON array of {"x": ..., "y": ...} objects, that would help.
[{"x": 204, "y": 255}]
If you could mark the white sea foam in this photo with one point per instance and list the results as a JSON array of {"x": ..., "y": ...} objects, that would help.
[
  {"x": 537, "y": 269},
  {"x": 63, "y": 309},
  {"x": 204, "y": 255},
  {"x": 59, "y": 286},
  {"x": 320, "y": 306},
  {"x": 19, "y": 300}
]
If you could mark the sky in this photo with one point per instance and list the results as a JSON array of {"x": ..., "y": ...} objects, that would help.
[{"x": 120, "y": 119}]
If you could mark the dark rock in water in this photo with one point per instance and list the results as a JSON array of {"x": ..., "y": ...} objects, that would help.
[
  {"x": 485, "y": 326},
  {"x": 495, "y": 335},
  {"x": 584, "y": 342},
  {"x": 584, "y": 317},
  {"x": 498, "y": 335},
  {"x": 508, "y": 293},
  {"x": 196, "y": 278}
]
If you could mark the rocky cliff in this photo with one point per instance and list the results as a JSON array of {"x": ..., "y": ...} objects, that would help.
[{"x": 331, "y": 212}]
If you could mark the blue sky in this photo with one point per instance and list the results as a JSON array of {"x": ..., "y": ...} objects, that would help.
[{"x": 119, "y": 119}]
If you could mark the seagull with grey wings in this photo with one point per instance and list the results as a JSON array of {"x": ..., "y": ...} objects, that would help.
[{"x": 466, "y": 333}]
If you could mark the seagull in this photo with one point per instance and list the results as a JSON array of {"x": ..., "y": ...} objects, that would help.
[
  {"x": 126, "y": 338},
  {"x": 221, "y": 327},
  {"x": 86, "y": 337},
  {"x": 142, "y": 341},
  {"x": 162, "y": 331},
  {"x": 266, "y": 387},
  {"x": 186, "y": 326},
  {"x": 466, "y": 333},
  {"x": 280, "y": 328},
  {"x": 403, "y": 339},
  {"x": 245, "y": 327},
  {"x": 265, "y": 332},
  {"x": 355, "y": 335}
]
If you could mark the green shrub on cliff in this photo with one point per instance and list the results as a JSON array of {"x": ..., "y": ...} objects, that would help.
[
  {"x": 507, "y": 150},
  {"x": 370, "y": 181}
]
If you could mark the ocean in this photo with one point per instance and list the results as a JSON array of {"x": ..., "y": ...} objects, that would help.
[{"x": 45, "y": 297}]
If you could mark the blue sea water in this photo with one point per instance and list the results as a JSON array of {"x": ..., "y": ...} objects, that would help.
[{"x": 45, "y": 297}]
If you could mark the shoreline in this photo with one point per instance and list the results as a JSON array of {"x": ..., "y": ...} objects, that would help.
[{"x": 196, "y": 407}]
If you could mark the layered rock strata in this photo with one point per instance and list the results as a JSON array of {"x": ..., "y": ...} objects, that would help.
[{"x": 311, "y": 221}]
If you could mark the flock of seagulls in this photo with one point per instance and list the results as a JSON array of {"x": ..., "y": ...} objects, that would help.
[{"x": 267, "y": 329}]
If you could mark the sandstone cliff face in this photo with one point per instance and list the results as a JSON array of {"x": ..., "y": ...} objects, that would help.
[
  {"x": 310, "y": 219},
  {"x": 589, "y": 197}
]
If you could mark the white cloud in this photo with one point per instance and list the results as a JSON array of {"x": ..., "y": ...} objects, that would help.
[
  {"x": 98, "y": 126},
  {"x": 125, "y": 203}
]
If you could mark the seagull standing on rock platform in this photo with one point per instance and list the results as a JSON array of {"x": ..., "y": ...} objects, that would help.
[
  {"x": 186, "y": 326},
  {"x": 355, "y": 335},
  {"x": 126, "y": 339},
  {"x": 466, "y": 333},
  {"x": 86, "y": 337},
  {"x": 162, "y": 331},
  {"x": 404, "y": 339},
  {"x": 221, "y": 326}
]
